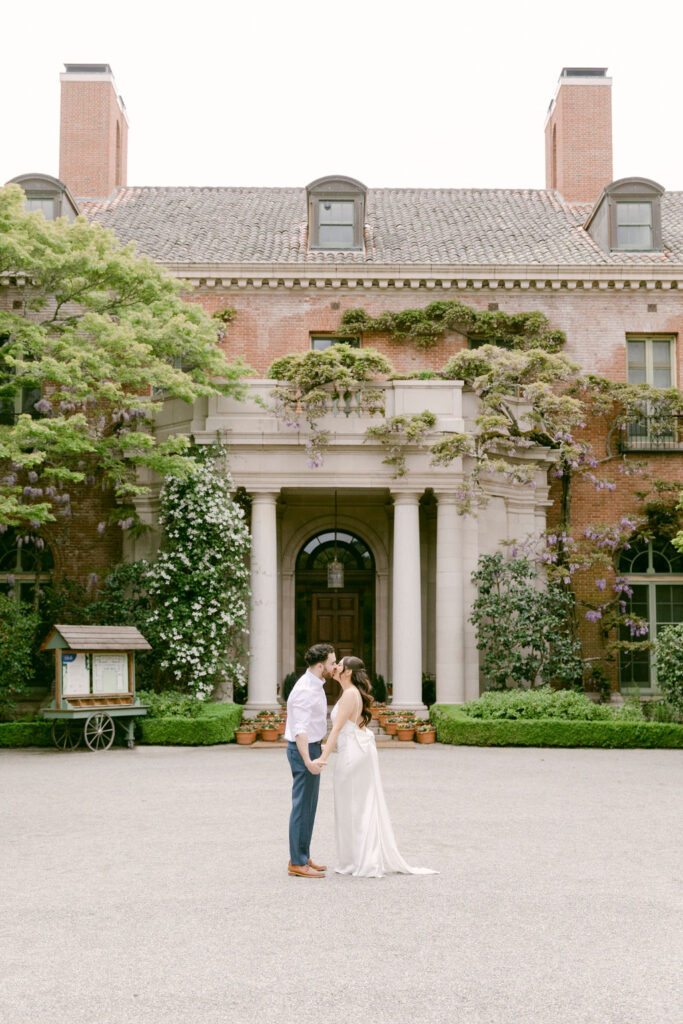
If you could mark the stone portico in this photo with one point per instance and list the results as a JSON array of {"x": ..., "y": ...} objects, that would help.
[{"x": 406, "y": 610}]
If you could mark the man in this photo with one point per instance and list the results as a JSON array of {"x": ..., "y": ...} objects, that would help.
[{"x": 306, "y": 728}]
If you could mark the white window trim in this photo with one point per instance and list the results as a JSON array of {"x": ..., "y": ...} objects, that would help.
[{"x": 652, "y": 580}]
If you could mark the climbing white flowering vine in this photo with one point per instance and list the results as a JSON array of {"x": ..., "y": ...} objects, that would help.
[{"x": 199, "y": 583}]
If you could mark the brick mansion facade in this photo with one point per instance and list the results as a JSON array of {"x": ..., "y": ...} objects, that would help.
[{"x": 602, "y": 259}]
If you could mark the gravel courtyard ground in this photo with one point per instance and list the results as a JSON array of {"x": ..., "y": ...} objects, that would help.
[{"x": 150, "y": 886}]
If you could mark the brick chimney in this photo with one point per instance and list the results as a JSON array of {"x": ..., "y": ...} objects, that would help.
[
  {"x": 93, "y": 138},
  {"x": 578, "y": 135}
]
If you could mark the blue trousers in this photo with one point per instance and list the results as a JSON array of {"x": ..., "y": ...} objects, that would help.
[{"x": 305, "y": 788}]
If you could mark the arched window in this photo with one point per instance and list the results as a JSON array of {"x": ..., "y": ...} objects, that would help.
[
  {"x": 318, "y": 552},
  {"x": 24, "y": 563},
  {"x": 654, "y": 569}
]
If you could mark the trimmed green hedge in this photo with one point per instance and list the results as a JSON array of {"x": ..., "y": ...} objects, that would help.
[
  {"x": 26, "y": 734},
  {"x": 215, "y": 724},
  {"x": 453, "y": 725}
]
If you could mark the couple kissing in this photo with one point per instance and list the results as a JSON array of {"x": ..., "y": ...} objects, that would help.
[{"x": 365, "y": 841}]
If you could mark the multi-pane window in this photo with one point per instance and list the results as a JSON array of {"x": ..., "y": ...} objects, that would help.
[
  {"x": 13, "y": 402},
  {"x": 45, "y": 204},
  {"x": 336, "y": 214},
  {"x": 319, "y": 342},
  {"x": 650, "y": 361},
  {"x": 336, "y": 224},
  {"x": 23, "y": 566},
  {"x": 634, "y": 226},
  {"x": 655, "y": 573}
]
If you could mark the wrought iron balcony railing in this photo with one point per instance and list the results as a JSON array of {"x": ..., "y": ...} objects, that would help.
[{"x": 653, "y": 434}]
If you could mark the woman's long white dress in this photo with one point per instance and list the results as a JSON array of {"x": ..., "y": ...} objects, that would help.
[{"x": 365, "y": 839}]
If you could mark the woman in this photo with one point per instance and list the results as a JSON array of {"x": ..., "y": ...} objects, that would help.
[{"x": 365, "y": 838}]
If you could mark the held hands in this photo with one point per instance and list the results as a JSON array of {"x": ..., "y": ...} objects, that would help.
[{"x": 316, "y": 767}]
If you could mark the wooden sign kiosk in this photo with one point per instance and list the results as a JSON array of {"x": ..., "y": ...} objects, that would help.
[{"x": 94, "y": 684}]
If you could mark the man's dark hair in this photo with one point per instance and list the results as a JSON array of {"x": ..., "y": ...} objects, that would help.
[{"x": 317, "y": 654}]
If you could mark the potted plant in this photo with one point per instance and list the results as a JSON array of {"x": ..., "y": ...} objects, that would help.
[
  {"x": 377, "y": 709},
  {"x": 245, "y": 733},
  {"x": 405, "y": 729},
  {"x": 269, "y": 730},
  {"x": 384, "y": 715},
  {"x": 280, "y": 722},
  {"x": 390, "y": 725},
  {"x": 425, "y": 732}
]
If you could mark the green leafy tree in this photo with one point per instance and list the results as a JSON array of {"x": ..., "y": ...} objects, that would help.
[
  {"x": 669, "y": 658},
  {"x": 18, "y": 629},
  {"x": 523, "y": 628},
  {"x": 102, "y": 334}
]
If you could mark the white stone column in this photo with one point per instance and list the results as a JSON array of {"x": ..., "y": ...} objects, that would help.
[
  {"x": 263, "y": 631},
  {"x": 406, "y": 625},
  {"x": 470, "y": 555},
  {"x": 450, "y": 619}
]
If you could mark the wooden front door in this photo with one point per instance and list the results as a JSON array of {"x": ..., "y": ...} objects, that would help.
[{"x": 335, "y": 620}]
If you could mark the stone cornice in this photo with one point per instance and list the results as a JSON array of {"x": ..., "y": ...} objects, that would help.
[{"x": 236, "y": 277}]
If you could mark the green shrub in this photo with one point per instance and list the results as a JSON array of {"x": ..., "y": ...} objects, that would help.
[
  {"x": 26, "y": 734},
  {"x": 669, "y": 658},
  {"x": 215, "y": 723},
  {"x": 170, "y": 704},
  {"x": 379, "y": 689},
  {"x": 545, "y": 703},
  {"x": 288, "y": 685},
  {"x": 523, "y": 631},
  {"x": 453, "y": 725},
  {"x": 18, "y": 628},
  {"x": 660, "y": 711}
]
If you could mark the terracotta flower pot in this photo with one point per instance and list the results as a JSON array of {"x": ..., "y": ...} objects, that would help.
[
  {"x": 269, "y": 733},
  {"x": 280, "y": 728},
  {"x": 405, "y": 732},
  {"x": 390, "y": 728},
  {"x": 426, "y": 737},
  {"x": 383, "y": 716},
  {"x": 375, "y": 713},
  {"x": 245, "y": 737}
]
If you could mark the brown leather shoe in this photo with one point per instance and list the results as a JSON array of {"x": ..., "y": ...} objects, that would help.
[
  {"x": 304, "y": 871},
  {"x": 317, "y": 867}
]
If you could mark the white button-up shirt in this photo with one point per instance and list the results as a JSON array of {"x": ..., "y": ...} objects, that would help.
[{"x": 307, "y": 709}]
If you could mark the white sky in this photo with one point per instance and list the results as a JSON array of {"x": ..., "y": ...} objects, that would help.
[{"x": 433, "y": 94}]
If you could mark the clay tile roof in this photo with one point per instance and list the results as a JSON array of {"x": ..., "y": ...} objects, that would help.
[{"x": 402, "y": 226}]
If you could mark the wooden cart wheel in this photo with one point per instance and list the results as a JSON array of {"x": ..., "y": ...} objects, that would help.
[
  {"x": 66, "y": 735},
  {"x": 99, "y": 731}
]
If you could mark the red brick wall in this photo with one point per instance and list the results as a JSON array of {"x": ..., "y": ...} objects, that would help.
[
  {"x": 274, "y": 322},
  {"x": 90, "y": 118},
  {"x": 578, "y": 140}
]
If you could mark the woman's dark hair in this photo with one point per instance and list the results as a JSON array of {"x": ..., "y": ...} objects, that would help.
[{"x": 360, "y": 679}]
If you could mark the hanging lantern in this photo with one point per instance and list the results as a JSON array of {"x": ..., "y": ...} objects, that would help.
[{"x": 335, "y": 570}]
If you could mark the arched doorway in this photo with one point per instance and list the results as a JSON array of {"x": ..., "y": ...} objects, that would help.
[{"x": 344, "y": 617}]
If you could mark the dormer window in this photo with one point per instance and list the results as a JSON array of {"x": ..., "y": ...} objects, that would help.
[
  {"x": 46, "y": 205},
  {"x": 633, "y": 222},
  {"x": 627, "y": 217},
  {"x": 47, "y": 194},
  {"x": 336, "y": 214}
]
